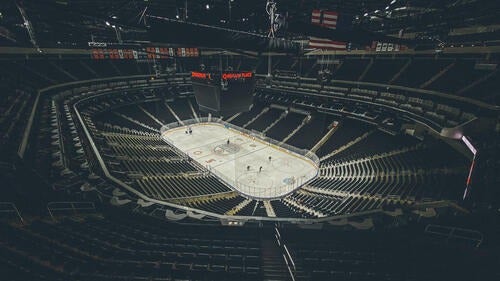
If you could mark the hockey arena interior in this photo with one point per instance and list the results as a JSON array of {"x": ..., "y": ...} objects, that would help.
[{"x": 249, "y": 140}]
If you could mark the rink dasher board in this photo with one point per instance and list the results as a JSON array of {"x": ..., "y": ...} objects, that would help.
[{"x": 235, "y": 176}]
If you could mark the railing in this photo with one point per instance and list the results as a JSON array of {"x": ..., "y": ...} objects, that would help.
[
  {"x": 9, "y": 207},
  {"x": 102, "y": 84},
  {"x": 290, "y": 264},
  {"x": 451, "y": 232},
  {"x": 407, "y": 91},
  {"x": 69, "y": 206},
  {"x": 267, "y": 191},
  {"x": 438, "y": 127}
]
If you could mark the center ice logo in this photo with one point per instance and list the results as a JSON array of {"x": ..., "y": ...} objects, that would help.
[{"x": 226, "y": 149}]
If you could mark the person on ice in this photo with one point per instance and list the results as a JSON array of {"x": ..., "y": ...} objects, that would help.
[{"x": 260, "y": 169}]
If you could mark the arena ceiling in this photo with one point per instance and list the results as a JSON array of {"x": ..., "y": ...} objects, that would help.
[{"x": 75, "y": 22}]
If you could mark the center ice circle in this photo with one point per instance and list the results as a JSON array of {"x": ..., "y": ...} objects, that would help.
[{"x": 227, "y": 149}]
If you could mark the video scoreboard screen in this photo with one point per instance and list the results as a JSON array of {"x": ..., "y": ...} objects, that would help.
[{"x": 224, "y": 93}]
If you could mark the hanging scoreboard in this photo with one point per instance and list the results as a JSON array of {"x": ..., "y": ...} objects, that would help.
[{"x": 224, "y": 94}]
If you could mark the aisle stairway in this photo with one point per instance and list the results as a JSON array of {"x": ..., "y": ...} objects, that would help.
[
  {"x": 264, "y": 110},
  {"x": 325, "y": 138},
  {"x": 273, "y": 265}
]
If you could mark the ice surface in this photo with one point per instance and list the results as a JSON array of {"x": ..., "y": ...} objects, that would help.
[{"x": 239, "y": 162}]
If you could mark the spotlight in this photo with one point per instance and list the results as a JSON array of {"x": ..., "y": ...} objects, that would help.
[
  {"x": 207, "y": 6},
  {"x": 107, "y": 23},
  {"x": 114, "y": 17},
  {"x": 393, "y": 1},
  {"x": 177, "y": 16}
]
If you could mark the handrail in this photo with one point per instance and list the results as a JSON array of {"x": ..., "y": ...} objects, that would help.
[
  {"x": 449, "y": 232},
  {"x": 292, "y": 268},
  {"x": 13, "y": 210},
  {"x": 68, "y": 205},
  {"x": 62, "y": 148}
]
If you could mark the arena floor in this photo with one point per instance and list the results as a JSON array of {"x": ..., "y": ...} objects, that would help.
[{"x": 239, "y": 162}]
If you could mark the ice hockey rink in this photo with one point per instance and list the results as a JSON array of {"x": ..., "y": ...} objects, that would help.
[{"x": 248, "y": 164}]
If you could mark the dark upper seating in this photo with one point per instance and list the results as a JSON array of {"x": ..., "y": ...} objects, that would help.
[
  {"x": 245, "y": 117},
  {"x": 383, "y": 70},
  {"x": 351, "y": 69},
  {"x": 329, "y": 255},
  {"x": 285, "y": 126},
  {"x": 181, "y": 108},
  {"x": 310, "y": 133},
  {"x": 266, "y": 119},
  {"x": 132, "y": 248},
  {"x": 348, "y": 130},
  {"x": 487, "y": 90},
  {"x": 420, "y": 71},
  {"x": 457, "y": 77}
]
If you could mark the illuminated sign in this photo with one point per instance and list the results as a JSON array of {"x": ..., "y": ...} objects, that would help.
[
  {"x": 227, "y": 76},
  {"x": 200, "y": 75}
]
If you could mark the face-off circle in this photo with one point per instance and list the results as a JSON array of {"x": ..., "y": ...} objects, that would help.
[
  {"x": 287, "y": 166},
  {"x": 289, "y": 180},
  {"x": 255, "y": 183}
]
